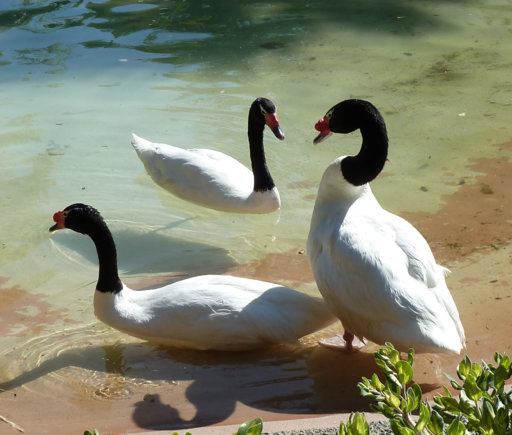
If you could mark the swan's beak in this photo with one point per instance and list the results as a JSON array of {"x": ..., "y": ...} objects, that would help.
[
  {"x": 58, "y": 218},
  {"x": 273, "y": 123},
  {"x": 321, "y": 137},
  {"x": 323, "y": 127},
  {"x": 278, "y": 132}
]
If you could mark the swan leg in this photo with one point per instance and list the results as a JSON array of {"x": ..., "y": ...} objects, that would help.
[{"x": 348, "y": 342}]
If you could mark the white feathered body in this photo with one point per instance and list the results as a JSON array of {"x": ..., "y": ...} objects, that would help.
[
  {"x": 377, "y": 273},
  {"x": 205, "y": 177},
  {"x": 214, "y": 312}
]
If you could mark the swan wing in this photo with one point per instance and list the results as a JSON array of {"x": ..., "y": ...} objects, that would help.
[
  {"x": 203, "y": 176},
  {"x": 223, "y": 313},
  {"x": 423, "y": 268},
  {"x": 378, "y": 274}
]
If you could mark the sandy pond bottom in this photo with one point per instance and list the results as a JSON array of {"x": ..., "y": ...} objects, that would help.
[{"x": 132, "y": 386}]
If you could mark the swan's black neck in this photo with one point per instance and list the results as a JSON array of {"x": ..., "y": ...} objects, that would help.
[
  {"x": 262, "y": 179},
  {"x": 366, "y": 165},
  {"x": 370, "y": 160},
  {"x": 108, "y": 277},
  {"x": 85, "y": 219}
]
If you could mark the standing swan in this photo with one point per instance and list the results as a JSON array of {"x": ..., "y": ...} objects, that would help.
[
  {"x": 214, "y": 312},
  {"x": 213, "y": 179},
  {"x": 373, "y": 268}
]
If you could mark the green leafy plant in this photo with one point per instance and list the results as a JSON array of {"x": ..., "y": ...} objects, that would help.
[
  {"x": 356, "y": 425},
  {"x": 482, "y": 397},
  {"x": 253, "y": 427},
  {"x": 482, "y": 405}
]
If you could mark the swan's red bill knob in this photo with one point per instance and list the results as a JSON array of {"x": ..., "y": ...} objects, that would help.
[
  {"x": 323, "y": 127},
  {"x": 273, "y": 123},
  {"x": 59, "y": 219}
]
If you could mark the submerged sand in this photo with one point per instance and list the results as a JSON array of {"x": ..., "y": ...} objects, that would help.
[{"x": 135, "y": 386}]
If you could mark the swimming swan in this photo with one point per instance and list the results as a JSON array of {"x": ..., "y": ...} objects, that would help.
[
  {"x": 373, "y": 268},
  {"x": 213, "y": 179},
  {"x": 214, "y": 312}
]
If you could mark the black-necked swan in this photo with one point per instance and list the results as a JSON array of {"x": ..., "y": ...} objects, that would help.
[
  {"x": 374, "y": 270},
  {"x": 213, "y": 312},
  {"x": 214, "y": 179}
]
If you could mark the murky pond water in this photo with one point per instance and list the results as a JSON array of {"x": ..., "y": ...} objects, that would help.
[{"x": 78, "y": 77}]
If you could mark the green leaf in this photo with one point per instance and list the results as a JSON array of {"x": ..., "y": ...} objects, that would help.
[
  {"x": 500, "y": 376},
  {"x": 471, "y": 388},
  {"x": 410, "y": 356},
  {"x": 476, "y": 369},
  {"x": 376, "y": 383},
  {"x": 343, "y": 429},
  {"x": 454, "y": 383},
  {"x": 357, "y": 424},
  {"x": 465, "y": 405},
  {"x": 394, "y": 381},
  {"x": 502, "y": 421},
  {"x": 365, "y": 382},
  {"x": 424, "y": 418},
  {"x": 400, "y": 427},
  {"x": 392, "y": 399},
  {"x": 464, "y": 368},
  {"x": 404, "y": 372},
  {"x": 436, "y": 424},
  {"x": 505, "y": 362},
  {"x": 447, "y": 392},
  {"x": 413, "y": 398},
  {"x": 383, "y": 409},
  {"x": 448, "y": 403},
  {"x": 456, "y": 428},
  {"x": 252, "y": 427},
  {"x": 370, "y": 396},
  {"x": 394, "y": 356},
  {"x": 488, "y": 415}
]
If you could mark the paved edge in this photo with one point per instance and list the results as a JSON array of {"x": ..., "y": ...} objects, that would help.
[{"x": 300, "y": 423}]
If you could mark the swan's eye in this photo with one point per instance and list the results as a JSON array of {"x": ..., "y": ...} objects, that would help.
[
  {"x": 65, "y": 214},
  {"x": 328, "y": 115},
  {"x": 263, "y": 111}
]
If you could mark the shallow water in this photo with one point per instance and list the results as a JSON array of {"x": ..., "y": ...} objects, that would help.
[{"x": 78, "y": 77}]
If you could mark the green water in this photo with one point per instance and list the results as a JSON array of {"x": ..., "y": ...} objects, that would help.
[{"x": 78, "y": 77}]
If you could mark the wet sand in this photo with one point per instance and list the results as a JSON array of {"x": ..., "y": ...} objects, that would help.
[{"x": 136, "y": 386}]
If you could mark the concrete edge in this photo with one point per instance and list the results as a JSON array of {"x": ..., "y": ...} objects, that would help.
[{"x": 299, "y": 423}]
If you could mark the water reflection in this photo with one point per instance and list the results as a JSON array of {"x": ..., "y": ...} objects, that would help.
[{"x": 193, "y": 32}]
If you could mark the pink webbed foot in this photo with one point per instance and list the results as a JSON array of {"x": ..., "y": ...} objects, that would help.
[{"x": 347, "y": 343}]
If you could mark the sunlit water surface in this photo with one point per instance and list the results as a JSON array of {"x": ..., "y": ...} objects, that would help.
[{"x": 77, "y": 78}]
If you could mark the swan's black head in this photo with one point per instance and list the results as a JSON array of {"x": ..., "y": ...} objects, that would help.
[
  {"x": 263, "y": 111},
  {"x": 346, "y": 117},
  {"x": 77, "y": 217}
]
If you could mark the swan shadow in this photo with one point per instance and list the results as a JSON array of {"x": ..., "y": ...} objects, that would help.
[
  {"x": 280, "y": 379},
  {"x": 140, "y": 251},
  {"x": 283, "y": 379},
  {"x": 287, "y": 379}
]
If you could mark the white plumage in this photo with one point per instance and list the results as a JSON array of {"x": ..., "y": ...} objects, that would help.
[
  {"x": 214, "y": 312},
  {"x": 213, "y": 179},
  {"x": 374, "y": 269}
]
